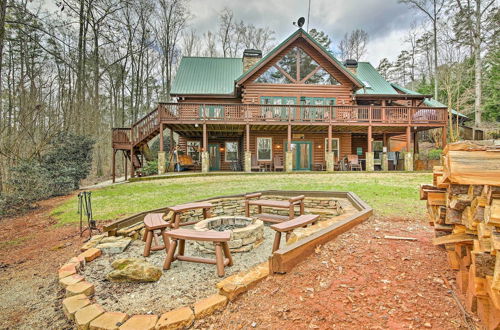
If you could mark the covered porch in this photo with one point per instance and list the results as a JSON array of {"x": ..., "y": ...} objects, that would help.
[{"x": 288, "y": 147}]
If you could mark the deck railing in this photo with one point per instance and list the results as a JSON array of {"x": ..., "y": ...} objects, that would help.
[
  {"x": 121, "y": 136},
  {"x": 301, "y": 113}
]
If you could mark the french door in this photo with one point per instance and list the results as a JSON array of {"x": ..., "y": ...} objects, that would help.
[{"x": 301, "y": 155}]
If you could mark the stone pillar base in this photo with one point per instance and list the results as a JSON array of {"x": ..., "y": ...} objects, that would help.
[
  {"x": 162, "y": 162},
  {"x": 289, "y": 161},
  {"x": 205, "y": 162},
  {"x": 248, "y": 161},
  {"x": 370, "y": 161},
  {"x": 408, "y": 161},
  {"x": 330, "y": 162},
  {"x": 385, "y": 162}
]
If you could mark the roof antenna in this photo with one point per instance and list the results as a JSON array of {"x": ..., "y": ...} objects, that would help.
[{"x": 308, "y": 14}]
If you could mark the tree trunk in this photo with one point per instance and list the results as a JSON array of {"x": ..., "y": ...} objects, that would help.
[{"x": 477, "y": 64}]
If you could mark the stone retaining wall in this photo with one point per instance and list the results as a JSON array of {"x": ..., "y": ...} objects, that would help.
[{"x": 325, "y": 207}]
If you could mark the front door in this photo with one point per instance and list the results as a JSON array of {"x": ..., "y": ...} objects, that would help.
[
  {"x": 214, "y": 157},
  {"x": 301, "y": 155}
]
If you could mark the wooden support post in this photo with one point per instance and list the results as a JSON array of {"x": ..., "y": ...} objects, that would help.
[
  {"x": 370, "y": 138},
  {"x": 289, "y": 138},
  {"x": 132, "y": 170},
  {"x": 385, "y": 141},
  {"x": 408, "y": 139},
  {"x": 205, "y": 138},
  {"x": 329, "y": 138},
  {"x": 126, "y": 163},
  {"x": 114, "y": 165},
  {"x": 415, "y": 143},
  {"x": 162, "y": 147},
  {"x": 444, "y": 133},
  {"x": 247, "y": 138}
]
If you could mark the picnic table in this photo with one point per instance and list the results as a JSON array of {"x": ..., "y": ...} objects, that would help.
[{"x": 274, "y": 218}]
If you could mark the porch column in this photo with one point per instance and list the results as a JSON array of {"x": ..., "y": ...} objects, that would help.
[
  {"x": 385, "y": 158},
  {"x": 125, "y": 165},
  {"x": 408, "y": 155},
  {"x": 132, "y": 155},
  {"x": 161, "y": 154},
  {"x": 369, "y": 157},
  {"x": 204, "y": 154},
  {"x": 330, "y": 161},
  {"x": 114, "y": 165},
  {"x": 289, "y": 153},
  {"x": 248, "y": 153}
]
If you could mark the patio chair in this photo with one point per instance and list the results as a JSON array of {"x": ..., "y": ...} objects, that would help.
[
  {"x": 353, "y": 162},
  {"x": 255, "y": 165},
  {"x": 278, "y": 164}
]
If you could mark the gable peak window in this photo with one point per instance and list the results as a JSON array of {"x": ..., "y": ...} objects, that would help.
[{"x": 296, "y": 67}]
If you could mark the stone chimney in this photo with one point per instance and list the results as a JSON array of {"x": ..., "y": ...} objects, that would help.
[
  {"x": 250, "y": 57},
  {"x": 351, "y": 65}
]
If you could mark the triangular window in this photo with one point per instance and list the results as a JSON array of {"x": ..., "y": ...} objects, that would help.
[
  {"x": 296, "y": 67},
  {"x": 321, "y": 77},
  {"x": 273, "y": 76}
]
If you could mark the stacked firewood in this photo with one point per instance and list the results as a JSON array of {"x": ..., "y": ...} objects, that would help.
[{"x": 463, "y": 205}]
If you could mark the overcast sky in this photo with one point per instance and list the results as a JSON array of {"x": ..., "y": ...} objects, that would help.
[{"x": 386, "y": 21}]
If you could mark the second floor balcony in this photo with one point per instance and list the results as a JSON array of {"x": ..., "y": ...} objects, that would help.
[{"x": 298, "y": 114}]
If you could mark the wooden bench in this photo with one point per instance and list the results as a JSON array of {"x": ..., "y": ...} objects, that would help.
[
  {"x": 288, "y": 226},
  {"x": 179, "y": 209},
  {"x": 274, "y": 218},
  {"x": 220, "y": 240},
  {"x": 154, "y": 222}
]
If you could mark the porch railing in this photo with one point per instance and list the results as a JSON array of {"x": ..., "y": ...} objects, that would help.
[{"x": 301, "y": 113}]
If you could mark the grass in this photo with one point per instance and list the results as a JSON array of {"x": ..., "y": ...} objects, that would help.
[{"x": 389, "y": 194}]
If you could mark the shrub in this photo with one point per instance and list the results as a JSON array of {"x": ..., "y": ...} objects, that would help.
[
  {"x": 29, "y": 182},
  {"x": 68, "y": 161},
  {"x": 151, "y": 168},
  {"x": 434, "y": 154}
]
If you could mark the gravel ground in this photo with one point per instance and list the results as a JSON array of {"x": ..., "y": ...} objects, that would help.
[{"x": 182, "y": 284}]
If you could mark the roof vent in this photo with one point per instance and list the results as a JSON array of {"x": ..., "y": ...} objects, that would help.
[
  {"x": 250, "y": 57},
  {"x": 351, "y": 65}
]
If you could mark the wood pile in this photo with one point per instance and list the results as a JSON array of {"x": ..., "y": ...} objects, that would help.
[{"x": 463, "y": 205}]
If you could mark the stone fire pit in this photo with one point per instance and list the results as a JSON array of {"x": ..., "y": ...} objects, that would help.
[{"x": 246, "y": 233}]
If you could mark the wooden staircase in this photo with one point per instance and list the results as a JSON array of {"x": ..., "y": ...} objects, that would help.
[{"x": 133, "y": 141}]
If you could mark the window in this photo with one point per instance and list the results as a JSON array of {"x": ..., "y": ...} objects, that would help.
[
  {"x": 296, "y": 67},
  {"x": 231, "y": 154},
  {"x": 264, "y": 149},
  {"x": 335, "y": 147},
  {"x": 193, "y": 150}
]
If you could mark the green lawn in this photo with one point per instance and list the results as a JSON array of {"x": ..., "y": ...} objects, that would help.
[{"x": 390, "y": 194}]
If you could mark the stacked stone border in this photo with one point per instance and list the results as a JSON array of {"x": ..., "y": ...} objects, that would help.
[{"x": 79, "y": 307}]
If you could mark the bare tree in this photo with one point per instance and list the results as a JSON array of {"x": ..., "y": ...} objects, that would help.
[
  {"x": 210, "y": 44},
  {"x": 432, "y": 9},
  {"x": 226, "y": 31},
  {"x": 353, "y": 45},
  {"x": 191, "y": 43},
  {"x": 471, "y": 19}
]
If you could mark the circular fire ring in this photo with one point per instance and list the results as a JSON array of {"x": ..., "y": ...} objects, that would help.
[{"x": 246, "y": 233}]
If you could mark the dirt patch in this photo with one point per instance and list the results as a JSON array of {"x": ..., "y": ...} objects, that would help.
[{"x": 31, "y": 250}]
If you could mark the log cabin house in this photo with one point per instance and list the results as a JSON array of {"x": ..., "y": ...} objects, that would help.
[{"x": 297, "y": 108}]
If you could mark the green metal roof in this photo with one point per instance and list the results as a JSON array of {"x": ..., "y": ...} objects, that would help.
[
  {"x": 309, "y": 37},
  {"x": 206, "y": 75},
  {"x": 428, "y": 102},
  {"x": 373, "y": 81}
]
